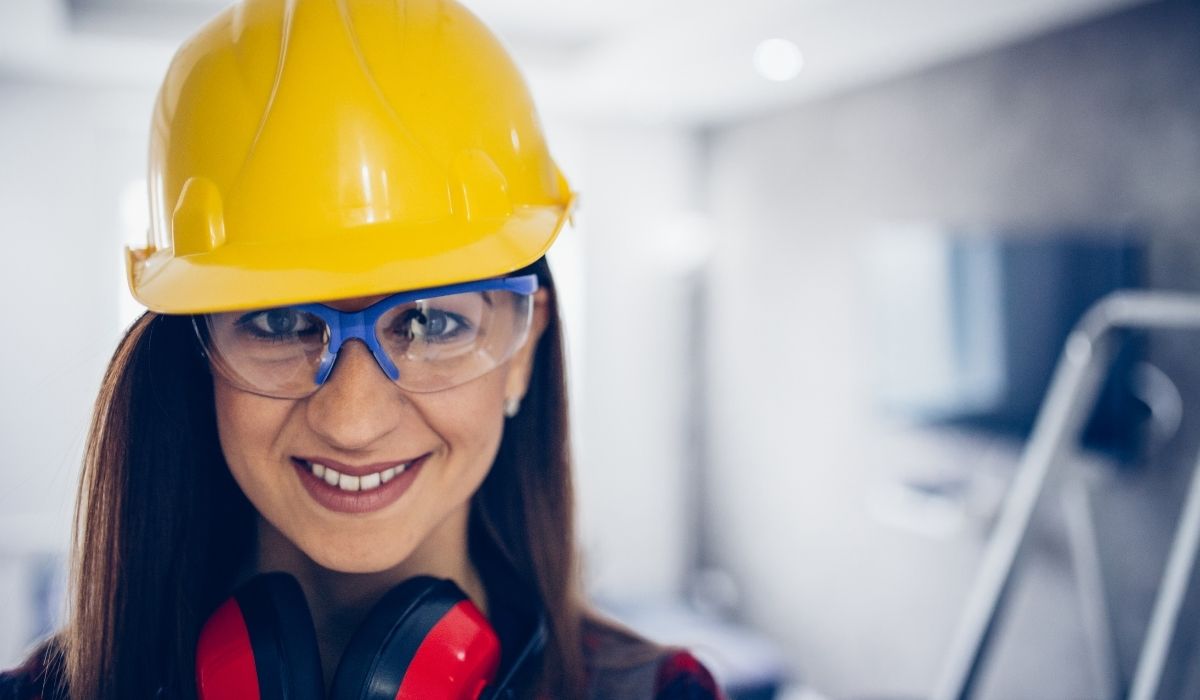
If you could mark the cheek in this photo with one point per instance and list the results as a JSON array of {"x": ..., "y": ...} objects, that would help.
[
  {"x": 469, "y": 419},
  {"x": 247, "y": 427}
]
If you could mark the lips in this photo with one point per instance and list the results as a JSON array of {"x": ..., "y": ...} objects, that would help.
[{"x": 359, "y": 489}]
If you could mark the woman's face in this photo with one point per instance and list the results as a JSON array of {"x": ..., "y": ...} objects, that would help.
[{"x": 360, "y": 418}]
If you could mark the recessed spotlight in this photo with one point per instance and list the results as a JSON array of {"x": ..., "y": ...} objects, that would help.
[{"x": 778, "y": 59}]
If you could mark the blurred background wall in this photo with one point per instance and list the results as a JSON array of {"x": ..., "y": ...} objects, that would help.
[
  {"x": 746, "y": 484},
  {"x": 1097, "y": 128}
]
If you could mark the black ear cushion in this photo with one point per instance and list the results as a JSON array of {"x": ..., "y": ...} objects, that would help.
[
  {"x": 286, "y": 659},
  {"x": 382, "y": 649}
]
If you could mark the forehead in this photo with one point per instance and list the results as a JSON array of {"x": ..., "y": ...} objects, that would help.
[{"x": 354, "y": 303}]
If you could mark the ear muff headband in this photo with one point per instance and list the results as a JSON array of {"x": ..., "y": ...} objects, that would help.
[
  {"x": 520, "y": 665},
  {"x": 281, "y": 626}
]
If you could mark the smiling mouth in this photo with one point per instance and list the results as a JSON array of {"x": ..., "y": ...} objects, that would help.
[{"x": 353, "y": 482}]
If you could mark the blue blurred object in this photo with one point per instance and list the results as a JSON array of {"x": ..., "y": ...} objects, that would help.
[
  {"x": 48, "y": 591},
  {"x": 968, "y": 327}
]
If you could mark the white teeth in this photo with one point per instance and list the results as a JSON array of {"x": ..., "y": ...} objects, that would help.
[{"x": 355, "y": 483}]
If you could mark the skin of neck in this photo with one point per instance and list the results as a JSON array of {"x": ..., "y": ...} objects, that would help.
[{"x": 339, "y": 601}]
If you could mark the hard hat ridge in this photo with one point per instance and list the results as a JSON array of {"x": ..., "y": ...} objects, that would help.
[{"x": 350, "y": 158}]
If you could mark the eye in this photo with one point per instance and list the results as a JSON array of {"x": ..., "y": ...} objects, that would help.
[
  {"x": 278, "y": 324},
  {"x": 430, "y": 324}
]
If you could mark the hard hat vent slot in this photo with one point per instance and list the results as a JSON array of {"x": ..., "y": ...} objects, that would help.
[{"x": 198, "y": 223}]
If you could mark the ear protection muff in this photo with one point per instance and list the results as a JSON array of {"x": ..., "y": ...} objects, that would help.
[{"x": 423, "y": 640}]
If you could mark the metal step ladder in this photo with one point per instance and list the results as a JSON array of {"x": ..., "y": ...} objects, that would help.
[{"x": 1077, "y": 381}]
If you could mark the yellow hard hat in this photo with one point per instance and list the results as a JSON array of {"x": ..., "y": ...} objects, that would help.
[{"x": 321, "y": 149}]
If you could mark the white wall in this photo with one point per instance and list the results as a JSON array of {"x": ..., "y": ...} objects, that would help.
[
  {"x": 637, "y": 184},
  {"x": 66, "y": 152}
]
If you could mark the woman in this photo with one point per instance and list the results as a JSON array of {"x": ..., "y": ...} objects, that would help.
[{"x": 352, "y": 370}]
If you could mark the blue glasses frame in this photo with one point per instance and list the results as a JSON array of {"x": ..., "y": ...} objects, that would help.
[{"x": 347, "y": 325}]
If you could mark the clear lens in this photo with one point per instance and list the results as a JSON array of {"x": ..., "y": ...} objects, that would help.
[
  {"x": 434, "y": 343},
  {"x": 445, "y": 341},
  {"x": 273, "y": 351}
]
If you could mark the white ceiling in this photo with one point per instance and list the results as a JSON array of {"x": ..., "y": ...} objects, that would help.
[{"x": 681, "y": 61}]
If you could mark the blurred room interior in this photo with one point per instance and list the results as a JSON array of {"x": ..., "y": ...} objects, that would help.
[{"x": 905, "y": 205}]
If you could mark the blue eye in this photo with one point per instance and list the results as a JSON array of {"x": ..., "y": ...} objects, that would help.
[{"x": 431, "y": 325}]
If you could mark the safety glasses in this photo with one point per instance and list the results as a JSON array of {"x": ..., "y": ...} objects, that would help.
[{"x": 424, "y": 340}]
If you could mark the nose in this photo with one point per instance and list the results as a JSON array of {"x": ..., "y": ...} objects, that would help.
[{"x": 358, "y": 404}]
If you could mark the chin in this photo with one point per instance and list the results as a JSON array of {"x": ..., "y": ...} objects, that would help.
[{"x": 354, "y": 560}]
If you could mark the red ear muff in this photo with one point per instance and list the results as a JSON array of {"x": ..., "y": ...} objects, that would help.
[
  {"x": 424, "y": 639},
  {"x": 260, "y": 645},
  {"x": 225, "y": 656}
]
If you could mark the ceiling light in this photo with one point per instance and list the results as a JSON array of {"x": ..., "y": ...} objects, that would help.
[{"x": 778, "y": 59}]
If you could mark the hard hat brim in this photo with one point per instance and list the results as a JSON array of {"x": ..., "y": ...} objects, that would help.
[{"x": 376, "y": 259}]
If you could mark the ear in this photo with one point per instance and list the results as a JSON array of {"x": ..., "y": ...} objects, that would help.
[{"x": 520, "y": 367}]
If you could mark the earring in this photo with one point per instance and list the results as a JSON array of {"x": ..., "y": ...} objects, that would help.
[{"x": 511, "y": 407}]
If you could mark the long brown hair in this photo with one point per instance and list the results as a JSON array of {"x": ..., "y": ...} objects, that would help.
[{"x": 161, "y": 528}]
